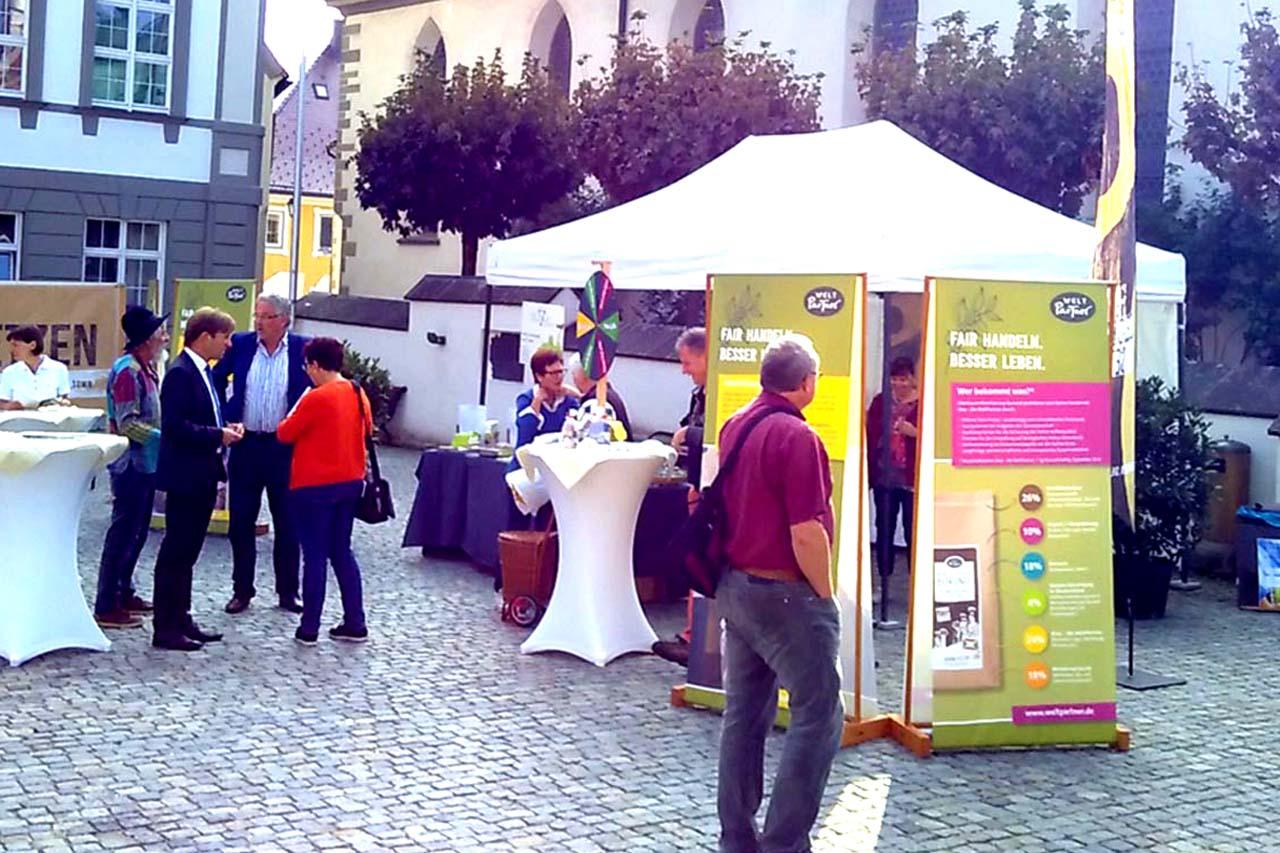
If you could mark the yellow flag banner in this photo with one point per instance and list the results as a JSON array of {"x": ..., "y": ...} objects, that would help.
[{"x": 1116, "y": 256}]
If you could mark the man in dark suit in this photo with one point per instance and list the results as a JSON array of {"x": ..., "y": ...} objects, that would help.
[
  {"x": 265, "y": 368},
  {"x": 193, "y": 435}
]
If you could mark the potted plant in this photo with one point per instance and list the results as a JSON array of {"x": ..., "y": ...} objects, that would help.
[
  {"x": 1172, "y": 492},
  {"x": 384, "y": 398}
]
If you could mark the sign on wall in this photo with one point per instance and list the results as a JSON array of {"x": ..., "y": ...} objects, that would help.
[
  {"x": 541, "y": 324},
  {"x": 81, "y": 328},
  {"x": 1014, "y": 560}
]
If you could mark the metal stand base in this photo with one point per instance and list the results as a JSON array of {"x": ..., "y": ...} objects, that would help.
[
  {"x": 1139, "y": 680},
  {"x": 1184, "y": 586}
]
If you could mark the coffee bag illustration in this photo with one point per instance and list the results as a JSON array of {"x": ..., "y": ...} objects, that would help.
[{"x": 966, "y": 630}]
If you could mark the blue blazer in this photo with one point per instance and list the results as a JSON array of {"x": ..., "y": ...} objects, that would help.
[{"x": 236, "y": 363}]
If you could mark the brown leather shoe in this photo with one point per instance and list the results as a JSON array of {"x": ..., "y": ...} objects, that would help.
[
  {"x": 676, "y": 651},
  {"x": 117, "y": 619},
  {"x": 237, "y": 604},
  {"x": 138, "y": 604}
]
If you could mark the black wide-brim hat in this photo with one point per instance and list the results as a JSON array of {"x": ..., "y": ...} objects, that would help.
[{"x": 139, "y": 324}]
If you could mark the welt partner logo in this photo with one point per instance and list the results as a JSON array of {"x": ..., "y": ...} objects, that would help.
[
  {"x": 823, "y": 301},
  {"x": 1072, "y": 307}
]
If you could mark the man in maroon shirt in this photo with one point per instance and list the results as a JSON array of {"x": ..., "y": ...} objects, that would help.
[{"x": 782, "y": 624}]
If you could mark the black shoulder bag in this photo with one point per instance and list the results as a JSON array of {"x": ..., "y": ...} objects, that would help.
[
  {"x": 700, "y": 543},
  {"x": 374, "y": 506}
]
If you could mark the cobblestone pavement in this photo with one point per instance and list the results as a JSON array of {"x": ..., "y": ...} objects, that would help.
[{"x": 438, "y": 735}]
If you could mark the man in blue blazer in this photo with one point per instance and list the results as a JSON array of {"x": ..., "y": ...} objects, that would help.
[{"x": 263, "y": 376}]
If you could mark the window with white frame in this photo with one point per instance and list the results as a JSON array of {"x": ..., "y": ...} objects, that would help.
[
  {"x": 130, "y": 253},
  {"x": 10, "y": 245},
  {"x": 275, "y": 229},
  {"x": 132, "y": 50},
  {"x": 13, "y": 46},
  {"x": 324, "y": 233}
]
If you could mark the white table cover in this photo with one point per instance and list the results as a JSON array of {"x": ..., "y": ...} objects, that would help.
[
  {"x": 44, "y": 478},
  {"x": 596, "y": 489},
  {"x": 52, "y": 419}
]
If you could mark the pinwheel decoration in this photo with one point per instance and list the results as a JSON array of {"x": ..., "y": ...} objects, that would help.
[{"x": 598, "y": 325}]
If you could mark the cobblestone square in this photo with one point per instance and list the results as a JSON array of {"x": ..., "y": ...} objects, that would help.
[{"x": 439, "y": 736}]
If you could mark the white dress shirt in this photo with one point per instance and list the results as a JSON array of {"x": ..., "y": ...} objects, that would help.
[
  {"x": 203, "y": 367},
  {"x": 49, "y": 381},
  {"x": 266, "y": 388}
]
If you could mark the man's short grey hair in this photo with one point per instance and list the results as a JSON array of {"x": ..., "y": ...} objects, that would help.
[
  {"x": 279, "y": 304},
  {"x": 694, "y": 340},
  {"x": 573, "y": 363},
  {"x": 787, "y": 362}
]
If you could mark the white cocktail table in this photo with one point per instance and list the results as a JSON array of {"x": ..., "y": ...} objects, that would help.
[
  {"x": 45, "y": 478},
  {"x": 596, "y": 489},
  {"x": 52, "y": 419}
]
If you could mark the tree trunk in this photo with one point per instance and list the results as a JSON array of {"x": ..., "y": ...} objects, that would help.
[{"x": 470, "y": 252}]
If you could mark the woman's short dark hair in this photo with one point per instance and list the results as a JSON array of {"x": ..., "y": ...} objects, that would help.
[
  {"x": 208, "y": 321},
  {"x": 902, "y": 366},
  {"x": 28, "y": 335},
  {"x": 543, "y": 358},
  {"x": 324, "y": 353}
]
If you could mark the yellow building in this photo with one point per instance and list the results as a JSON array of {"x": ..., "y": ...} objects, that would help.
[{"x": 320, "y": 246}]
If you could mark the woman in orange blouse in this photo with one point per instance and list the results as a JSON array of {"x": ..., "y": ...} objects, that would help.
[{"x": 327, "y": 429}]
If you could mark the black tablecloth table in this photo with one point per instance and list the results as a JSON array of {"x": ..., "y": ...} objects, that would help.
[{"x": 463, "y": 503}]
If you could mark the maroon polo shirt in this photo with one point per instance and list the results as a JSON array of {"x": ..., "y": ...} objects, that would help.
[{"x": 782, "y": 478}]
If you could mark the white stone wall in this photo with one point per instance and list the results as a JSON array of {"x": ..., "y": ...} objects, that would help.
[{"x": 1265, "y": 458}]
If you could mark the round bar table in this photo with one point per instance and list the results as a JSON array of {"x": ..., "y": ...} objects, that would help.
[
  {"x": 52, "y": 419},
  {"x": 45, "y": 479},
  {"x": 596, "y": 489}
]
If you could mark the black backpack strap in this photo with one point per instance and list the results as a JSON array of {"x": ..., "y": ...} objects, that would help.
[{"x": 732, "y": 459}]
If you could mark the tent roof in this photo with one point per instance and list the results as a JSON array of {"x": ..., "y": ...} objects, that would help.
[{"x": 869, "y": 198}]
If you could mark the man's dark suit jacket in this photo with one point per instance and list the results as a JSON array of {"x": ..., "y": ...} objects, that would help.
[
  {"x": 237, "y": 362},
  {"x": 190, "y": 440}
]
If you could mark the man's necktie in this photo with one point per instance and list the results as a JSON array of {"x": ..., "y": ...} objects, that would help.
[{"x": 217, "y": 407}]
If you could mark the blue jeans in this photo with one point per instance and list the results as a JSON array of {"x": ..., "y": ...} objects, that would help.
[
  {"x": 776, "y": 633},
  {"x": 323, "y": 518},
  {"x": 132, "y": 497}
]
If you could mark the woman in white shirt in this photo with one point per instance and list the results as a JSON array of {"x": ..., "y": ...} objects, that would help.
[{"x": 33, "y": 378}]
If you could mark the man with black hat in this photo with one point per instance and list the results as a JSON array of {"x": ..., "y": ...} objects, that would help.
[{"x": 133, "y": 411}]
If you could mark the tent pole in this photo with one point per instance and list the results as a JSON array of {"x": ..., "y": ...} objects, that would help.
[{"x": 484, "y": 343}]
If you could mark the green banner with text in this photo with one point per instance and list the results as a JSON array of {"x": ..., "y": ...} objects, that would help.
[
  {"x": 190, "y": 294},
  {"x": 1021, "y": 643}
]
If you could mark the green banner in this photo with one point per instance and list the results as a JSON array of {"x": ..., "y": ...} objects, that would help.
[
  {"x": 191, "y": 294},
  {"x": 1017, "y": 550},
  {"x": 748, "y": 312}
]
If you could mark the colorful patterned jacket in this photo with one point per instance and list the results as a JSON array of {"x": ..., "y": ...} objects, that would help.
[{"x": 133, "y": 410}]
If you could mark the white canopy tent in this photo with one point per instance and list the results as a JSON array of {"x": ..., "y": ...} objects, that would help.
[{"x": 868, "y": 199}]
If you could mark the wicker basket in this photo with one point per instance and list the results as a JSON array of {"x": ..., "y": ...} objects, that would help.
[{"x": 528, "y": 561}]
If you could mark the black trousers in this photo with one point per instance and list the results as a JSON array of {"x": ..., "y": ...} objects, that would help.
[
  {"x": 261, "y": 463},
  {"x": 890, "y": 503},
  {"x": 186, "y": 519}
]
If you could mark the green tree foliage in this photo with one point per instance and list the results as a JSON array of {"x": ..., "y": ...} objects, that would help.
[
  {"x": 1029, "y": 121},
  {"x": 654, "y": 115},
  {"x": 1238, "y": 140},
  {"x": 1230, "y": 235},
  {"x": 469, "y": 154}
]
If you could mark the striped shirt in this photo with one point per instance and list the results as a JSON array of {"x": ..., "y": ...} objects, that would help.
[
  {"x": 266, "y": 388},
  {"x": 133, "y": 411}
]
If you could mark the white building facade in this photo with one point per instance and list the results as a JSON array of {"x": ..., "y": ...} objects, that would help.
[{"x": 131, "y": 140}]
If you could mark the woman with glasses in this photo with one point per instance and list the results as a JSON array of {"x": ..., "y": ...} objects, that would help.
[{"x": 544, "y": 407}]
